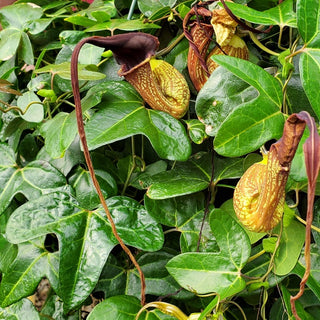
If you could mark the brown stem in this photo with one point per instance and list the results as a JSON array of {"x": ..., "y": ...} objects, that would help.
[
  {"x": 77, "y": 100},
  {"x": 311, "y": 150}
]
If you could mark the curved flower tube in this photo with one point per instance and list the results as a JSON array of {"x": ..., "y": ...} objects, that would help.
[
  {"x": 161, "y": 86},
  {"x": 199, "y": 34},
  {"x": 260, "y": 193}
]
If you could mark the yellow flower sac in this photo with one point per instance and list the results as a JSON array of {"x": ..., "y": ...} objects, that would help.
[
  {"x": 223, "y": 25},
  {"x": 160, "y": 85},
  {"x": 259, "y": 196},
  {"x": 235, "y": 48}
]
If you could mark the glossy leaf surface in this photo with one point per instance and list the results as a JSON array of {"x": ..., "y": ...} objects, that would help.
[
  {"x": 84, "y": 236},
  {"x": 30, "y": 266},
  {"x": 214, "y": 272},
  {"x": 308, "y": 22},
  {"x": 193, "y": 176},
  {"x": 310, "y": 67},
  {"x": 217, "y": 99},
  {"x": 282, "y": 15},
  {"x": 19, "y": 310},
  {"x": 115, "y": 121},
  {"x": 185, "y": 214},
  {"x": 290, "y": 248},
  {"x": 33, "y": 180},
  {"x": 254, "y": 122}
]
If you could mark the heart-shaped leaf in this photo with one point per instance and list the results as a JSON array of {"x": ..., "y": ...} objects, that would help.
[
  {"x": 33, "y": 180},
  {"x": 253, "y": 123},
  {"x": 281, "y": 15},
  {"x": 193, "y": 175},
  {"x": 85, "y": 237},
  {"x": 214, "y": 272}
]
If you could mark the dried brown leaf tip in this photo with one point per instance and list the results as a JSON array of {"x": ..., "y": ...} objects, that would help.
[
  {"x": 161, "y": 86},
  {"x": 200, "y": 24}
]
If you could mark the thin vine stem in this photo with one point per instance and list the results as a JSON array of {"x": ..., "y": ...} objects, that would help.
[{"x": 83, "y": 139}]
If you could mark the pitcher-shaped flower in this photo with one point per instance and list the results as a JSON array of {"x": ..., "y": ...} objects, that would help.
[
  {"x": 260, "y": 193},
  {"x": 161, "y": 86}
]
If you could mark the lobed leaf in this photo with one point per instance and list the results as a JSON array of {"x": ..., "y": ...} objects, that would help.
[{"x": 85, "y": 237}]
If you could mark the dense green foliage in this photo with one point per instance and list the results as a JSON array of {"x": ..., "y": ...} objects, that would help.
[{"x": 168, "y": 183}]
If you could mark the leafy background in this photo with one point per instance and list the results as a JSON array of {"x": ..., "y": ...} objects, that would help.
[{"x": 168, "y": 183}]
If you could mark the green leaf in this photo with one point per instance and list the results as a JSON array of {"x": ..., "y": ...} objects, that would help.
[
  {"x": 193, "y": 175},
  {"x": 53, "y": 309},
  {"x": 112, "y": 280},
  {"x": 62, "y": 129},
  {"x": 187, "y": 177},
  {"x": 281, "y": 15},
  {"x": 124, "y": 307},
  {"x": 86, "y": 71},
  {"x": 254, "y": 122},
  {"x": 117, "y": 120},
  {"x": 185, "y": 214},
  {"x": 19, "y": 310},
  {"x": 309, "y": 66},
  {"x": 143, "y": 179},
  {"x": 196, "y": 130},
  {"x": 116, "y": 307},
  {"x": 215, "y": 272},
  {"x": 26, "y": 51},
  {"x": 35, "y": 179},
  {"x": 8, "y": 253},
  {"x": 33, "y": 111},
  {"x": 85, "y": 237},
  {"x": 9, "y": 42},
  {"x": 122, "y": 24},
  {"x": 308, "y": 22},
  {"x": 222, "y": 93},
  {"x": 158, "y": 280},
  {"x": 17, "y": 15},
  {"x": 289, "y": 249},
  {"x": 86, "y": 193},
  {"x": 24, "y": 274},
  {"x": 37, "y": 26},
  {"x": 148, "y": 7}
]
